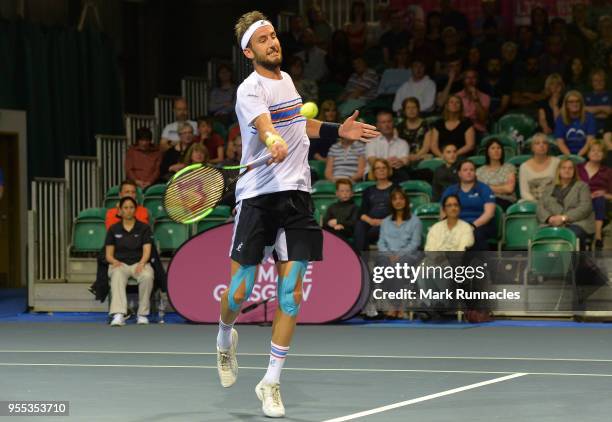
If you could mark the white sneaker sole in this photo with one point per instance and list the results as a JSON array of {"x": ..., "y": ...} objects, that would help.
[{"x": 233, "y": 348}]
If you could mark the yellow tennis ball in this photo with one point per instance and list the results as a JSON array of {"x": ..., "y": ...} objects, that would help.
[{"x": 309, "y": 110}]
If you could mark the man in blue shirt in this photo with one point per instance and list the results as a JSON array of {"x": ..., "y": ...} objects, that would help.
[{"x": 599, "y": 101}]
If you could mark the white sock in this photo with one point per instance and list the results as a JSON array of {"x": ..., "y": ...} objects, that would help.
[
  {"x": 224, "y": 337},
  {"x": 277, "y": 360}
]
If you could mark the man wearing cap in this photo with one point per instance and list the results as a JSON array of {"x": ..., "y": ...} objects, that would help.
[{"x": 274, "y": 212}]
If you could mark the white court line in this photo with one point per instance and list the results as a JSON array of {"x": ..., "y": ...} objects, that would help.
[
  {"x": 424, "y": 398},
  {"x": 309, "y": 355},
  {"x": 261, "y": 368}
]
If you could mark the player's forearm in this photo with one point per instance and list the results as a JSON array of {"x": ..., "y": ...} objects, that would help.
[{"x": 313, "y": 128}]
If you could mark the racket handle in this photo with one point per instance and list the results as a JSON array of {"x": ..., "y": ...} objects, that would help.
[{"x": 259, "y": 161}]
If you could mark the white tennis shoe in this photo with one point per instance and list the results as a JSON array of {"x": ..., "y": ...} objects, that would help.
[
  {"x": 227, "y": 364},
  {"x": 271, "y": 401},
  {"x": 118, "y": 320}
]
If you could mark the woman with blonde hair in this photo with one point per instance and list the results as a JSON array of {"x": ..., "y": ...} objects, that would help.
[
  {"x": 567, "y": 203},
  {"x": 328, "y": 112},
  {"x": 197, "y": 153},
  {"x": 550, "y": 108},
  {"x": 453, "y": 129},
  {"x": 575, "y": 128},
  {"x": 599, "y": 179},
  {"x": 537, "y": 173}
]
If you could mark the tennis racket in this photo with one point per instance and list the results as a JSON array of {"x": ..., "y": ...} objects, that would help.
[{"x": 194, "y": 191}]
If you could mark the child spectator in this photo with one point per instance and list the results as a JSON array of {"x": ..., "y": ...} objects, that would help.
[
  {"x": 446, "y": 174},
  {"x": 341, "y": 216},
  {"x": 575, "y": 128},
  {"x": 197, "y": 153}
]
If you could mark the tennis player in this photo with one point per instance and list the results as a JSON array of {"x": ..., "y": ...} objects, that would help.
[{"x": 274, "y": 212}]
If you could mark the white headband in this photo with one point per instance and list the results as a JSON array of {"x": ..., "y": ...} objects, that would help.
[{"x": 244, "y": 42}]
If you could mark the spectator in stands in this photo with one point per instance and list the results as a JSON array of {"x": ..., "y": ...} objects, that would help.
[
  {"x": 210, "y": 139},
  {"x": 292, "y": 39},
  {"x": 223, "y": 95},
  {"x": 537, "y": 173},
  {"x": 419, "y": 86},
  {"x": 234, "y": 152},
  {"x": 401, "y": 231},
  {"x": 451, "y": 234},
  {"x": 579, "y": 35},
  {"x": 346, "y": 159},
  {"x": 528, "y": 45},
  {"x": 338, "y": 58},
  {"x": 143, "y": 159},
  {"x": 308, "y": 89},
  {"x": 599, "y": 101},
  {"x": 322, "y": 29},
  {"x": 319, "y": 148},
  {"x": 388, "y": 146},
  {"x": 451, "y": 52},
  {"x": 170, "y": 134},
  {"x": 415, "y": 131},
  {"x": 490, "y": 44},
  {"x": 474, "y": 60},
  {"x": 490, "y": 12},
  {"x": 477, "y": 204},
  {"x": 599, "y": 179},
  {"x": 567, "y": 203},
  {"x": 400, "y": 237},
  {"x": 499, "y": 176},
  {"x": 576, "y": 75},
  {"x": 360, "y": 88},
  {"x": 313, "y": 57},
  {"x": 510, "y": 64},
  {"x": 127, "y": 188},
  {"x": 357, "y": 28},
  {"x": 453, "y": 129},
  {"x": 550, "y": 108},
  {"x": 396, "y": 38},
  {"x": 374, "y": 205},
  {"x": 602, "y": 48},
  {"x": 528, "y": 90},
  {"x": 475, "y": 103},
  {"x": 497, "y": 87},
  {"x": 1, "y": 183},
  {"x": 539, "y": 23},
  {"x": 445, "y": 175},
  {"x": 174, "y": 158},
  {"x": 554, "y": 59},
  {"x": 455, "y": 19},
  {"x": 396, "y": 75},
  {"x": 434, "y": 28},
  {"x": 341, "y": 216},
  {"x": 420, "y": 46},
  {"x": 128, "y": 249},
  {"x": 575, "y": 128},
  {"x": 451, "y": 84},
  {"x": 197, "y": 153}
]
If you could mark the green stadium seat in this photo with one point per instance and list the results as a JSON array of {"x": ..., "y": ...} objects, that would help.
[
  {"x": 88, "y": 235},
  {"x": 576, "y": 159},
  {"x": 92, "y": 214},
  {"x": 431, "y": 164},
  {"x": 359, "y": 187},
  {"x": 318, "y": 167},
  {"x": 429, "y": 214},
  {"x": 112, "y": 197},
  {"x": 419, "y": 192},
  {"x": 518, "y": 160},
  {"x": 153, "y": 199},
  {"x": 317, "y": 216},
  {"x": 520, "y": 224},
  {"x": 169, "y": 235},
  {"x": 218, "y": 216},
  {"x": 550, "y": 252},
  {"x": 478, "y": 160},
  {"x": 517, "y": 125},
  {"x": 499, "y": 224},
  {"x": 321, "y": 204},
  {"x": 431, "y": 120},
  {"x": 323, "y": 188}
]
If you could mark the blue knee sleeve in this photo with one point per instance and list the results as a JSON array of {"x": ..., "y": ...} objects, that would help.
[
  {"x": 286, "y": 288},
  {"x": 246, "y": 274}
]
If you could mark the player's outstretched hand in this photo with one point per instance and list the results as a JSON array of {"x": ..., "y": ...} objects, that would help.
[{"x": 358, "y": 131}]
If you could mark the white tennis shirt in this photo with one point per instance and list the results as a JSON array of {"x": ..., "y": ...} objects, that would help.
[{"x": 257, "y": 95}]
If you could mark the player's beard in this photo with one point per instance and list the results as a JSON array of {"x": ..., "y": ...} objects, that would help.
[{"x": 267, "y": 62}]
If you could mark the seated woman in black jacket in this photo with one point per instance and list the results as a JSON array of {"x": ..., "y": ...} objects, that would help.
[{"x": 128, "y": 249}]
